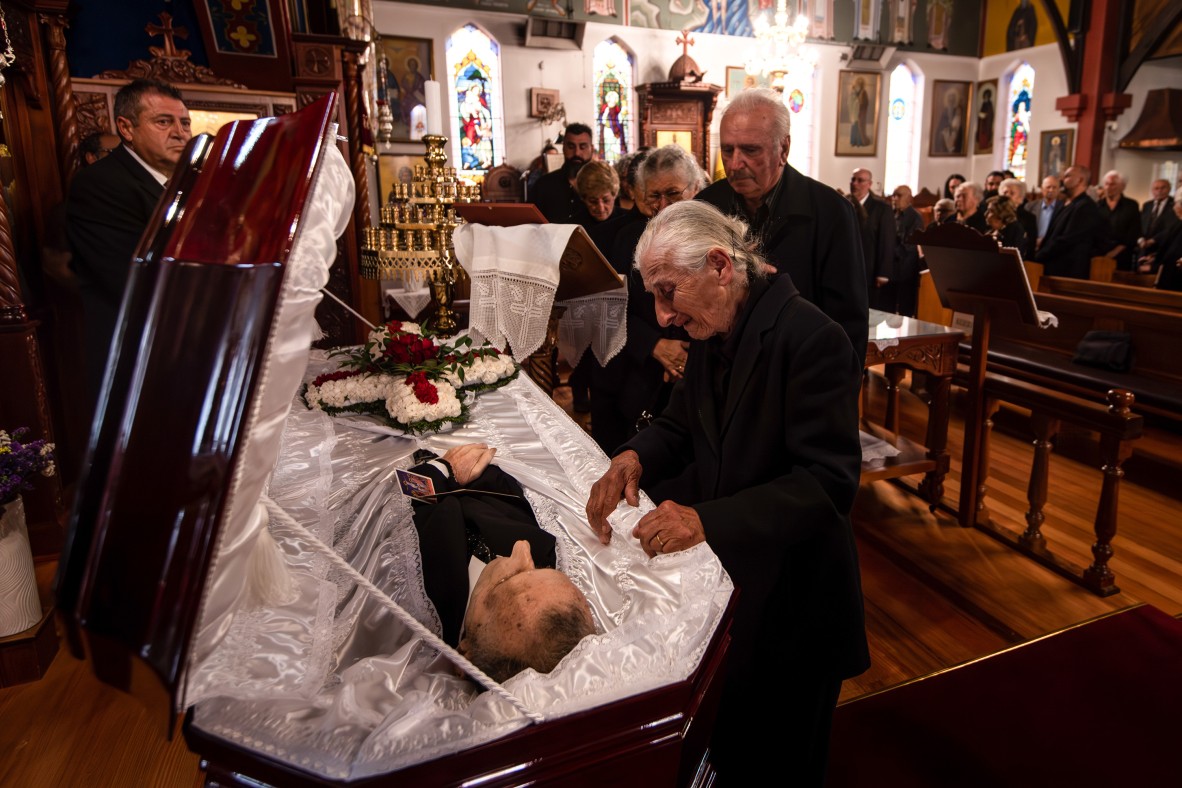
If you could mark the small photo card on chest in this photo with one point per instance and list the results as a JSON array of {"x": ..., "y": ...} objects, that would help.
[{"x": 415, "y": 485}]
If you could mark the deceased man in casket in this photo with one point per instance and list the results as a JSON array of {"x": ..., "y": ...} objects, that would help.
[{"x": 522, "y": 613}]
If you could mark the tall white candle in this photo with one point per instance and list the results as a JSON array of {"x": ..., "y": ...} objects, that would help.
[{"x": 434, "y": 108}]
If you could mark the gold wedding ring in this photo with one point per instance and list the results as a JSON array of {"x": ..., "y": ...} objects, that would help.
[{"x": 660, "y": 541}]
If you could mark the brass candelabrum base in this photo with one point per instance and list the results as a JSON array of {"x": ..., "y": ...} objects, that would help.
[{"x": 443, "y": 284}]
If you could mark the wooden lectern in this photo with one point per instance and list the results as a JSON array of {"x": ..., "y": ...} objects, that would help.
[
  {"x": 973, "y": 275},
  {"x": 584, "y": 271}
]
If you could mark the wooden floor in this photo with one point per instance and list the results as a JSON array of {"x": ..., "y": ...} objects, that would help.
[{"x": 936, "y": 595}]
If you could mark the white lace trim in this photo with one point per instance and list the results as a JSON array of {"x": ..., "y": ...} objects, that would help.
[{"x": 600, "y": 321}]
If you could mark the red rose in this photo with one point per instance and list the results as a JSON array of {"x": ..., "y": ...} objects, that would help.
[{"x": 424, "y": 389}]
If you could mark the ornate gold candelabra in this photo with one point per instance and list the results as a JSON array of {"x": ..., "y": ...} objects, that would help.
[{"x": 413, "y": 241}]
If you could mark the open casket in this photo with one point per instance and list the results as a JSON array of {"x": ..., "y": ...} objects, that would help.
[{"x": 186, "y": 581}]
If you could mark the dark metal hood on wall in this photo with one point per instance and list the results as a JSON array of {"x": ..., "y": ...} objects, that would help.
[{"x": 1160, "y": 124}]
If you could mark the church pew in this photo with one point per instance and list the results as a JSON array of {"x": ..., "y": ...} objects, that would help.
[
  {"x": 1089, "y": 705},
  {"x": 1117, "y": 292},
  {"x": 1044, "y": 356}
]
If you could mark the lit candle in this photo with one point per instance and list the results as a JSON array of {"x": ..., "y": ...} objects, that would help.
[
  {"x": 434, "y": 110},
  {"x": 418, "y": 122}
]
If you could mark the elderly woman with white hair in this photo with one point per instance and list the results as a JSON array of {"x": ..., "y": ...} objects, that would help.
[
  {"x": 758, "y": 455},
  {"x": 634, "y": 386}
]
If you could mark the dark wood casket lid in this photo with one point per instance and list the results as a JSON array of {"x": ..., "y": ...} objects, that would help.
[{"x": 172, "y": 409}]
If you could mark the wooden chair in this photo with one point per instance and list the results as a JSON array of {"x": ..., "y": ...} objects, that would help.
[
  {"x": 1102, "y": 269},
  {"x": 503, "y": 183}
]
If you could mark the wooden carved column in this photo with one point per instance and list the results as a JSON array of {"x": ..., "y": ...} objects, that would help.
[
  {"x": 324, "y": 64},
  {"x": 63, "y": 95},
  {"x": 26, "y": 402}
]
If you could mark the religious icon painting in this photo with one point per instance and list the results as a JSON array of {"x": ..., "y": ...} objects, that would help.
[
  {"x": 738, "y": 80},
  {"x": 1054, "y": 152},
  {"x": 950, "y": 118},
  {"x": 857, "y": 113},
  {"x": 985, "y": 116},
  {"x": 404, "y": 66}
]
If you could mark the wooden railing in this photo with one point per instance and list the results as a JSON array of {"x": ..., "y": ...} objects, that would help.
[{"x": 1117, "y": 426}]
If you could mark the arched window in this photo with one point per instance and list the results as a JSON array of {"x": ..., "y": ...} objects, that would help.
[
  {"x": 612, "y": 67},
  {"x": 1018, "y": 117},
  {"x": 477, "y": 127},
  {"x": 800, "y": 96},
  {"x": 902, "y": 164}
]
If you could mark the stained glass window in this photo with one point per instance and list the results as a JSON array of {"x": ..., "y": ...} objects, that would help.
[
  {"x": 1018, "y": 114},
  {"x": 476, "y": 128},
  {"x": 902, "y": 164},
  {"x": 800, "y": 96},
  {"x": 613, "y": 99}
]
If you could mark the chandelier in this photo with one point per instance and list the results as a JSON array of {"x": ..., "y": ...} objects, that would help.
[{"x": 778, "y": 52}]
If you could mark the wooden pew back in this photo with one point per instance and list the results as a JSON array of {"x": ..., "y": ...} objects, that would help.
[{"x": 1113, "y": 292}]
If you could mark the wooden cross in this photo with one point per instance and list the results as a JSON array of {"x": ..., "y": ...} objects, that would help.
[
  {"x": 166, "y": 29},
  {"x": 685, "y": 41}
]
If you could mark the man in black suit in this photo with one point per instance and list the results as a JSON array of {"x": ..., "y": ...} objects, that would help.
[
  {"x": 1076, "y": 231},
  {"x": 112, "y": 200},
  {"x": 907, "y": 265},
  {"x": 758, "y": 455},
  {"x": 522, "y": 613},
  {"x": 555, "y": 193},
  {"x": 805, "y": 228},
  {"x": 1157, "y": 215},
  {"x": 881, "y": 275}
]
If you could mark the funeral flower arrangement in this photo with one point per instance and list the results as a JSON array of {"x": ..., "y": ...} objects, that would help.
[
  {"x": 409, "y": 379},
  {"x": 20, "y": 461}
]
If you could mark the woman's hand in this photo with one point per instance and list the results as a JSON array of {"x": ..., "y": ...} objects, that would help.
[
  {"x": 671, "y": 354},
  {"x": 622, "y": 480},
  {"x": 469, "y": 461},
  {"x": 669, "y": 528}
]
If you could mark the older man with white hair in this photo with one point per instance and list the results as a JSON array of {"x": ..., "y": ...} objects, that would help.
[
  {"x": 806, "y": 229},
  {"x": 968, "y": 206},
  {"x": 1123, "y": 216}
]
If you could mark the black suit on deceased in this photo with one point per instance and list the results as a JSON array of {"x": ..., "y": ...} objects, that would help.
[
  {"x": 811, "y": 234},
  {"x": 1071, "y": 239},
  {"x": 447, "y": 528},
  {"x": 109, "y": 206},
  {"x": 765, "y": 448}
]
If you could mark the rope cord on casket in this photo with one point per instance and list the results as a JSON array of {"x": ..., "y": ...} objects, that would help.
[
  {"x": 406, "y": 618},
  {"x": 348, "y": 308}
]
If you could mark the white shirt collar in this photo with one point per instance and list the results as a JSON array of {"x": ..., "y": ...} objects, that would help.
[
  {"x": 864, "y": 199},
  {"x": 155, "y": 173}
]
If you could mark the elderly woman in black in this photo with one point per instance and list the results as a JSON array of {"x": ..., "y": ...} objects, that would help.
[
  {"x": 633, "y": 388},
  {"x": 1002, "y": 217},
  {"x": 757, "y": 454}
]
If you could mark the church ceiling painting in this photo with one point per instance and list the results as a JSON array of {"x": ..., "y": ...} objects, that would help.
[
  {"x": 1145, "y": 13},
  {"x": 919, "y": 25},
  {"x": 242, "y": 27},
  {"x": 1011, "y": 25}
]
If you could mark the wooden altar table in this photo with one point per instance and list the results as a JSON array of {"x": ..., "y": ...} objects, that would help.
[
  {"x": 903, "y": 343},
  {"x": 1095, "y": 704}
]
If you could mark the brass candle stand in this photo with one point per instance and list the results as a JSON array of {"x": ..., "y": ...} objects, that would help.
[{"x": 413, "y": 240}]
